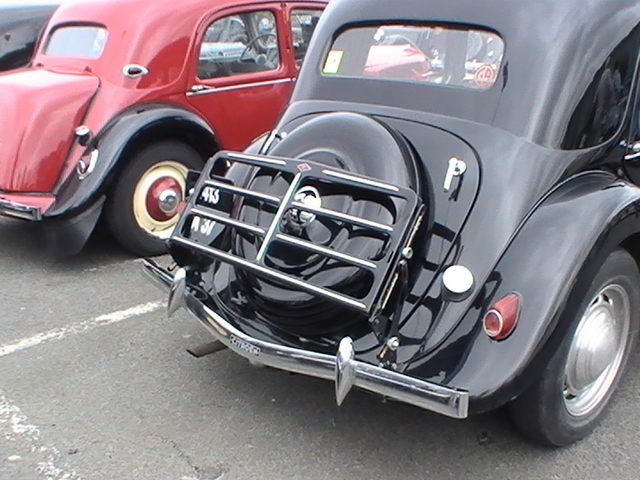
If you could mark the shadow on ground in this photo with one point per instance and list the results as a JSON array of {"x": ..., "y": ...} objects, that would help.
[{"x": 25, "y": 241}]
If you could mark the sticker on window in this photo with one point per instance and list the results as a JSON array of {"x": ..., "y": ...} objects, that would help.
[{"x": 332, "y": 65}]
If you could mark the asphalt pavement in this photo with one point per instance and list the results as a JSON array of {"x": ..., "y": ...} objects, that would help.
[{"x": 95, "y": 384}]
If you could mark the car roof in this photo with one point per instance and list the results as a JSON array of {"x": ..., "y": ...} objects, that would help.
[
  {"x": 108, "y": 11},
  {"x": 552, "y": 50},
  {"x": 140, "y": 31}
]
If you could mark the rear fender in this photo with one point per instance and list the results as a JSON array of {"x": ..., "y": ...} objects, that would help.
[
  {"x": 550, "y": 262},
  {"x": 133, "y": 128}
]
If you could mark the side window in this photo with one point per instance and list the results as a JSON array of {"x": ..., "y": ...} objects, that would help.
[
  {"x": 303, "y": 23},
  {"x": 238, "y": 44},
  {"x": 600, "y": 112}
]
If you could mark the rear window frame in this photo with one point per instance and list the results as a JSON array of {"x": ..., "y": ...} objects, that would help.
[
  {"x": 410, "y": 25},
  {"x": 84, "y": 25}
]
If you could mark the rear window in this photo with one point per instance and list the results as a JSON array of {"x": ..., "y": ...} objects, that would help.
[
  {"x": 85, "y": 41},
  {"x": 467, "y": 58}
]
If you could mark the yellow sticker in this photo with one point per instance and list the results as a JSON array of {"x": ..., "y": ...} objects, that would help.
[{"x": 332, "y": 65}]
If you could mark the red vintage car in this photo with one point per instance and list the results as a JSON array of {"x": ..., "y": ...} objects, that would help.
[{"x": 125, "y": 96}]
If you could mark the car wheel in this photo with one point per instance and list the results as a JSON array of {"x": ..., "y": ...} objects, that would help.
[
  {"x": 571, "y": 396},
  {"x": 142, "y": 209}
]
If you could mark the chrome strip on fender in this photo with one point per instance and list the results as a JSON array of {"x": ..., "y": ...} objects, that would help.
[{"x": 430, "y": 396}]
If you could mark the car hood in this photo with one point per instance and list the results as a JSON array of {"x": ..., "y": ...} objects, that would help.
[{"x": 40, "y": 110}]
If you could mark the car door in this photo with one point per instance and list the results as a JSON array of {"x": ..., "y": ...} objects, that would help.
[{"x": 243, "y": 70}]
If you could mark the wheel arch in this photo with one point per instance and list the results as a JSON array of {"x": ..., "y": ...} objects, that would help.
[
  {"x": 584, "y": 219},
  {"x": 172, "y": 129},
  {"x": 124, "y": 135}
]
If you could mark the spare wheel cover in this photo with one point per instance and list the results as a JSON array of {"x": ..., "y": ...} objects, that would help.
[{"x": 351, "y": 142}]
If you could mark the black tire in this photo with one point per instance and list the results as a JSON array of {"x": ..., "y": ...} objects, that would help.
[
  {"x": 562, "y": 407},
  {"x": 132, "y": 223},
  {"x": 351, "y": 142}
]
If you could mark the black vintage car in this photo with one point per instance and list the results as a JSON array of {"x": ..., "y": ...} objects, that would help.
[
  {"x": 20, "y": 27},
  {"x": 446, "y": 214}
]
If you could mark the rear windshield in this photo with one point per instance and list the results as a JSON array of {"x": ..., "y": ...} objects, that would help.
[
  {"x": 85, "y": 41},
  {"x": 460, "y": 57}
]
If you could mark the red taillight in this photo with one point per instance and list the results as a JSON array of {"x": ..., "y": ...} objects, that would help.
[{"x": 501, "y": 318}]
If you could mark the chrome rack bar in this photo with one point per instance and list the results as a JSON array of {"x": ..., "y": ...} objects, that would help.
[
  {"x": 299, "y": 173},
  {"x": 360, "y": 222},
  {"x": 227, "y": 221},
  {"x": 273, "y": 274},
  {"x": 243, "y": 191},
  {"x": 326, "y": 251}
]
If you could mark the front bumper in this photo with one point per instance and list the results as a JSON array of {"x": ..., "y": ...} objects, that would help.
[{"x": 342, "y": 368}]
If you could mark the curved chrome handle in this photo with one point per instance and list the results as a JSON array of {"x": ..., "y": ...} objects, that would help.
[{"x": 134, "y": 71}]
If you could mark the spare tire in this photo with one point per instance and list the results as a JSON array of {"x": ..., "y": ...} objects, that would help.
[{"x": 347, "y": 141}]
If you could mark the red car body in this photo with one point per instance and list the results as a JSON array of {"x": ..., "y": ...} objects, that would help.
[{"x": 139, "y": 85}]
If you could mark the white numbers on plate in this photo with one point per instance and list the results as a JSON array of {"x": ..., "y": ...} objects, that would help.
[
  {"x": 210, "y": 195},
  {"x": 202, "y": 225}
]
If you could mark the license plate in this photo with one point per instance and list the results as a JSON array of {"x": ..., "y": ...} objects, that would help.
[{"x": 203, "y": 228}]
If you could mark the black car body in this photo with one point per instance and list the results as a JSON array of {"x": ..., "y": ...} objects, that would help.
[
  {"x": 20, "y": 28},
  {"x": 495, "y": 259}
]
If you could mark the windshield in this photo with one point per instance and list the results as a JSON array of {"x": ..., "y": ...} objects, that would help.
[
  {"x": 85, "y": 41},
  {"x": 460, "y": 57}
]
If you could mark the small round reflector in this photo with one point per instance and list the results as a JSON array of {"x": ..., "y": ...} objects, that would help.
[{"x": 500, "y": 320}]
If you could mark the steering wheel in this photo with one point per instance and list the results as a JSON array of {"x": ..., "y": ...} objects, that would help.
[{"x": 271, "y": 52}]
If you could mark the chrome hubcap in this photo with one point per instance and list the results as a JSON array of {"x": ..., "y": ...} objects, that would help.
[
  {"x": 597, "y": 351},
  {"x": 298, "y": 219},
  {"x": 168, "y": 201}
]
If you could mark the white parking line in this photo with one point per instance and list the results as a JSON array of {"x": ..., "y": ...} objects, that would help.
[
  {"x": 14, "y": 427},
  {"x": 74, "y": 329}
]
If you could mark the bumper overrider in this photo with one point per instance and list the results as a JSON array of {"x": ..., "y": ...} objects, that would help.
[{"x": 342, "y": 368}]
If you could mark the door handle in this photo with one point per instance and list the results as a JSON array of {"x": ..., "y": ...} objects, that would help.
[
  {"x": 199, "y": 88},
  {"x": 634, "y": 150}
]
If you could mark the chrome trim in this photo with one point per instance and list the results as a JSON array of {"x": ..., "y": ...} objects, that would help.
[
  {"x": 176, "y": 291},
  {"x": 199, "y": 88},
  {"x": 267, "y": 272},
  {"x": 243, "y": 191},
  {"x": 345, "y": 371},
  {"x": 228, "y": 221},
  {"x": 456, "y": 169},
  {"x": 208, "y": 89},
  {"x": 279, "y": 214},
  {"x": 82, "y": 131},
  {"x": 394, "y": 385},
  {"x": 257, "y": 159},
  {"x": 273, "y": 134},
  {"x": 133, "y": 70},
  {"x": 363, "y": 181},
  {"x": 19, "y": 210},
  {"x": 84, "y": 170},
  {"x": 335, "y": 215},
  {"x": 329, "y": 252}
]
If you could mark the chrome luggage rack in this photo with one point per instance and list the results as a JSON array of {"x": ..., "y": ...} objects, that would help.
[{"x": 207, "y": 220}]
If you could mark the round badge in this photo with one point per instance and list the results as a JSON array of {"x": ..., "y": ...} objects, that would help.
[{"x": 485, "y": 76}]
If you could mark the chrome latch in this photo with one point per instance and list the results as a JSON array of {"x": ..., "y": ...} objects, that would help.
[{"x": 456, "y": 169}]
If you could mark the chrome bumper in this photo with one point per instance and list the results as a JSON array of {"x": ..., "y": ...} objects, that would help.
[
  {"x": 342, "y": 368},
  {"x": 18, "y": 210}
]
